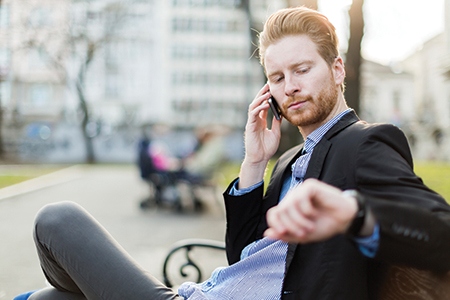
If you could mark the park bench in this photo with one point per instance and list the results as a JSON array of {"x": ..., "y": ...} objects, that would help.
[
  {"x": 189, "y": 262},
  {"x": 402, "y": 283}
]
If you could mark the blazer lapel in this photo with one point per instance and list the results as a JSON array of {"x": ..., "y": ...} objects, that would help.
[
  {"x": 283, "y": 167},
  {"x": 272, "y": 194},
  {"x": 317, "y": 160},
  {"x": 321, "y": 149}
]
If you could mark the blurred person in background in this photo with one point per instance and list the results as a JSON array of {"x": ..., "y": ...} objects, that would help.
[{"x": 209, "y": 155}]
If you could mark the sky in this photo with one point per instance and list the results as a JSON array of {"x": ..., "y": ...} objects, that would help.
[{"x": 393, "y": 28}]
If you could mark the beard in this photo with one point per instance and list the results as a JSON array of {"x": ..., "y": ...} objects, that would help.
[{"x": 319, "y": 108}]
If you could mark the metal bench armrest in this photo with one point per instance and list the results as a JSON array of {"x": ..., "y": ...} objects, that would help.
[{"x": 188, "y": 245}]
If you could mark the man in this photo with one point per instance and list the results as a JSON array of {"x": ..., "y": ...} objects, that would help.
[
  {"x": 342, "y": 243},
  {"x": 319, "y": 242}
]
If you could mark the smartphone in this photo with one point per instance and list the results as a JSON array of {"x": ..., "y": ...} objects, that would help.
[{"x": 274, "y": 108}]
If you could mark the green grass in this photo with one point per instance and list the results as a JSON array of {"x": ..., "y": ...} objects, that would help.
[
  {"x": 230, "y": 171},
  {"x": 7, "y": 180},
  {"x": 436, "y": 175},
  {"x": 13, "y": 174}
]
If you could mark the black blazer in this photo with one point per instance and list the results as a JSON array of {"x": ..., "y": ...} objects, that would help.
[{"x": 376, "y": 160}]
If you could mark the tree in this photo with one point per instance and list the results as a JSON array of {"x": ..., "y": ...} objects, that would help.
[
  {"x": 2, "y": 78},
  {"x": 71, "y": 49},
  {"x": 353, "y": 57}
]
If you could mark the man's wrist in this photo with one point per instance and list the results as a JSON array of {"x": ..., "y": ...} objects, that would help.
[
  {"x": 358, "y": 221},
  {"x": 251, "y": 173}
]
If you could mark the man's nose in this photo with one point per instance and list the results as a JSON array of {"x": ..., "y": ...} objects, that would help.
[{"x": 292, "y": 86}]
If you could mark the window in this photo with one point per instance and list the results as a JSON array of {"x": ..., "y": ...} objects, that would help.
[
  {"x": 112, "y": 55},
  {"x": 5, "y": 57},
  {"x": 207, "y": 3},
  {"x": 40, "y": 95},
  {"x": 207, "y": 25},
  {"x": 40, "y": 17},
  {"x": 112, "y": 85},
  {"x": 5, "y": 85},
  {"x": 5, "y": 92},
  {"x": 38, "y": 58},
  {"x": 4, "y": 16}
]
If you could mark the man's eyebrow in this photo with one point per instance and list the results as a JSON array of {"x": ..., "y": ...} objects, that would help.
[
  {"x": 301, "y": 63},
  {"x": 273, "y": 74},
  {"x": 292, "y": 67}
]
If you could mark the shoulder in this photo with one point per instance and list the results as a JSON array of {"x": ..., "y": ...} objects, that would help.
[
  {"x": 372, "y": 128},
  {"x": 372, "y": 141},
  {"x": 376, "y": 132}
]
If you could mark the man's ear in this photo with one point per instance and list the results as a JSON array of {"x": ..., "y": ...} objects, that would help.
[{"x": 338, "y": 70}]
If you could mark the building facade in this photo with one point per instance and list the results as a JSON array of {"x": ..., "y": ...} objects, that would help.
[
  {"x": 180, "y": 63},
  {"x": 429, "y": 97}
]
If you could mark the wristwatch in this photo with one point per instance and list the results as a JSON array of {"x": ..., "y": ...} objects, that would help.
[{"x": 358, "y": 221}]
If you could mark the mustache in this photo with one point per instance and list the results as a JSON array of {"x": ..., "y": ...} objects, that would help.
[{"x": 295, "y": 99}]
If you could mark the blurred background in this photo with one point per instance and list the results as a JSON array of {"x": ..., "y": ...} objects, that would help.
[
  {"x": 81, "y": 79},
  {"x": 89, "y": 87}
]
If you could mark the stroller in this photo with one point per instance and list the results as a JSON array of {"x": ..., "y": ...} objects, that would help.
[{"x": 165, "y": 185}]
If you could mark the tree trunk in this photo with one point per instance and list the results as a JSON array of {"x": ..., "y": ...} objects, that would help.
[
  {"x": 2, "y": 152},
  {"x": 90, "y": 153},
  {"x": 1, "y": 111},
  {"x": 353, "y": 58}
]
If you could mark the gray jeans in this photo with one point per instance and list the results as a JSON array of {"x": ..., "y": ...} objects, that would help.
[{"x": 81, "y": 260}]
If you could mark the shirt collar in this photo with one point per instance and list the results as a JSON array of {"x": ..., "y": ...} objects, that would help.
[{"x": 314, "y": 137}]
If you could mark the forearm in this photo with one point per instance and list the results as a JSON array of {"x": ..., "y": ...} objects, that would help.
[{"x": 251, "y": 173}]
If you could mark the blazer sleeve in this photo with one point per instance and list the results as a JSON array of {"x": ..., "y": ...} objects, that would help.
[
  {"x": 414, "y": 220},
  {"x": 246, "y": 214},
  {"x": 243, "y": 214}
]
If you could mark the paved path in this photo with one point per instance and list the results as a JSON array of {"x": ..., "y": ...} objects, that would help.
[{"x": 111, "y": 194}]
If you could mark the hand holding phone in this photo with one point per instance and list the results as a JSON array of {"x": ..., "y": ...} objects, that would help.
[{"x": 274, "y": 107}]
